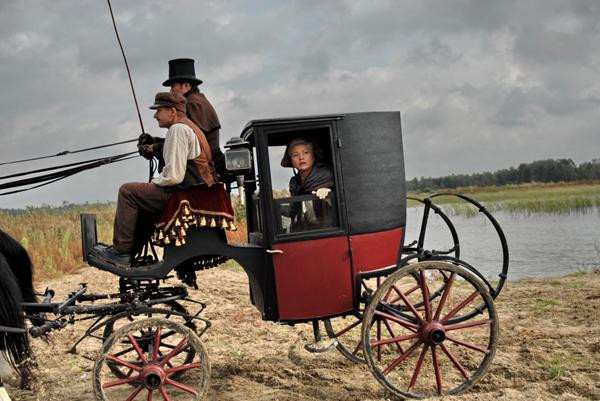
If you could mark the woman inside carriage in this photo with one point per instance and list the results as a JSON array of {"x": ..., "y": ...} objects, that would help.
[{"x": 311, "y": 176}]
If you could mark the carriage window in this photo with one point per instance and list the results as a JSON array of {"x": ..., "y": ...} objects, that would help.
[
  {"x": 303, "y": 183},
  {"x": 305, "y": 213}
]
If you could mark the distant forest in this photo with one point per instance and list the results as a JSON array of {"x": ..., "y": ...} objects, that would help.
[{"x": 551, "y": 170}]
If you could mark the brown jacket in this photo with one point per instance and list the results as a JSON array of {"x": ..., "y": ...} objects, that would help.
[
  {"x": 200, "y": 170},
  {"x": 203, "y": 114}
]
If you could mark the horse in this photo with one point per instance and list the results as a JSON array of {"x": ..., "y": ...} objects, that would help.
[{"x": 16, "y": 286}]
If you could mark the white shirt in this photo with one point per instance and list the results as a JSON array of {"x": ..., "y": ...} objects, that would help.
[{"x": 181, "y": 145}]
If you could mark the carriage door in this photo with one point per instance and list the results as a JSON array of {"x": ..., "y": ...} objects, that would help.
[{"x": 309, "y": 248}]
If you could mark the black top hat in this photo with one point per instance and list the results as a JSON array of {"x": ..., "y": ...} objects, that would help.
[{"x": 182, "y": 69}]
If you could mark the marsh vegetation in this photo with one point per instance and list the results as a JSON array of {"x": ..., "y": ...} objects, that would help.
[{"x": 52, "y": 234}]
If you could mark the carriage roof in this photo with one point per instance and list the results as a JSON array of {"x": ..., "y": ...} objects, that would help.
[{"x": 368, "y": 155}]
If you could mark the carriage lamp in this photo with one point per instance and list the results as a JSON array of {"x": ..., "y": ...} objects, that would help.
[{"x": 238, "y": 161}]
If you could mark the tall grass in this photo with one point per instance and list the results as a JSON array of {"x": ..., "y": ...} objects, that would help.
[
  {"x": 52, "y": 235},
  {"x": 526, "y": 199}
]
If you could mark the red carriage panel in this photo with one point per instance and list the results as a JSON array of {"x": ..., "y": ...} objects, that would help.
[
  {"x": 313, "y": 278},
  {"x": 375, "y": 250}
]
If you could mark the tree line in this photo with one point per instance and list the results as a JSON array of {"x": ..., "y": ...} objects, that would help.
[{"x": 550, "y": 170}]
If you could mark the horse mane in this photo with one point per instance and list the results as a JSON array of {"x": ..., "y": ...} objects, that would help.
[
  {"x": 15, "y": 346},
  {"x": 19, "y": 262},
  {"x": 15, "y": 287}
]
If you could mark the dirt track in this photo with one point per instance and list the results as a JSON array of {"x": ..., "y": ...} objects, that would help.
[{"x": 549, "y": 347}]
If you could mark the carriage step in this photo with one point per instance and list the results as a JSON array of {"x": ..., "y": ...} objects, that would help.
[
  {"x": 321, "y": 346},
  {"x": 149, "y": 271}
]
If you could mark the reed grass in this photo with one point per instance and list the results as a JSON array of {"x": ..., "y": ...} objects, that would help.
[
  {"x": 52, "y": 235},
  {"x": 525, "y": 200}
]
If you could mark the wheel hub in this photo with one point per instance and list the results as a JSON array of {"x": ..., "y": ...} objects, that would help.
[
  {"x": 433, "y": 333},
  {"x": 154, "y": 376}
]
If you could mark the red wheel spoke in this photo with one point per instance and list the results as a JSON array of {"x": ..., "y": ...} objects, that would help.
[
  {"x": 181, "y": 386},
  {"x": 465, "y": 325},
  {"x": 379, "y": 339},
  {"x": 402, "y": 357},
  {"x": 174, "y": 351},
  {"x": 169, "y": 364},
  {"x": 357, "y": 348},
  {"x": 124, "y": 363},
  {"x": 436, "y": 369},
  {"x": 415, "y": 375},
  {"x": 149, "y": 395},
  {"x": 407, "y": 293},
  {"x": 425, "y": 291},
  {"x": 468, "y": 345},
  {"x": 137, "y": 348},
  {"x": 135, "y": 393},
  {"x": 455, "y": 361},
  {"x": 156, "y": 345},
  {"x": 410, "y": 291},
  {"x": 401, "y": 322},
  {"x": 389, "y": 329},
  {"x": 394, "y": 340},
  {"x": 411, "y": 307},
  {"x": 183, "y": 367},
  {"x": 122, "y": 381},
  {"x": 345, "y": 330},
  {"x": 164, "y": 394},
  {"x": 387, "y": 294},
  {"x": 460, "y": 306},
  {"x": 444, "y": 296}
]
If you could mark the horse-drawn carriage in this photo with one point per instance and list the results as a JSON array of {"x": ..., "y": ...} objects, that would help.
[{"x": 422, "y": 321}]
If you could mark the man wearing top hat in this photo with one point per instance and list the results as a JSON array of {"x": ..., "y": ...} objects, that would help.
[
  {"x": 182, "y": 80},
  {"x": 188, "y": 163}
]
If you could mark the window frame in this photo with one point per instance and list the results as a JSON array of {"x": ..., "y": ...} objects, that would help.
[{"x": 270, "y": 219}]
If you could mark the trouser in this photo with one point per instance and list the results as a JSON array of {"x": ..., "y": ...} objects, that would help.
[{"x": 133, "y": 198}]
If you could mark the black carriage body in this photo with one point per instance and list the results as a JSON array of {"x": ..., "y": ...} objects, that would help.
[
  {"x": 301, "y": 274},
  {"x": 312, "y": 273}
]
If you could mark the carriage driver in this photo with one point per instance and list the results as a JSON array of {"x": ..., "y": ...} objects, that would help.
[{"x": 188, "y": 163}]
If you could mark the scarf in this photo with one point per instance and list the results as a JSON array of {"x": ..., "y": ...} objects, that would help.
[{"x": 320, "y": 177}]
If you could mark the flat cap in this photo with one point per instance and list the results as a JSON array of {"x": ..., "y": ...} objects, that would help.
[{"x": 166, "y": 99}]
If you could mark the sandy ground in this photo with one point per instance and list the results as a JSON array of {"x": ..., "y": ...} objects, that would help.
[{"x": 549, "y": 347}]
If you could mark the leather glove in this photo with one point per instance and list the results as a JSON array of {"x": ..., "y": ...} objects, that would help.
[
  {"x": 146, "y": 151},
  {"x": 145, "y": 148}
]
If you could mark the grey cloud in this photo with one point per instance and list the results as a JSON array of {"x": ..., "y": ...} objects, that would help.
[
  {"x": 481, "y": 85},
  {"x": 434, "y": 51},
  {"x": 314, "y": 64}
]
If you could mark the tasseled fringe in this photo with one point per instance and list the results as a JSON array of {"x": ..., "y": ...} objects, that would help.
[
  {"x": 186, "y": 272},
  {"x": 186, "y": 218}
]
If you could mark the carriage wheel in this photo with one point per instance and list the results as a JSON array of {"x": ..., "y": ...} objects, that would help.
[
  {"x": 152, "y": 364},
  {"x": 347, "y": 332},
  {"x": 347, "y": 329},
  {"x": 429, "y": 353},
  {"x": 143, "y": 337}
]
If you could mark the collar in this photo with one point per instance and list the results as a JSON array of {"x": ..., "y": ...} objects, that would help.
[{"x": 192, "y": 91}]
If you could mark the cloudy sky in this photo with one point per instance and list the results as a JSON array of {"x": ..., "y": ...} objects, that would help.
[{"x": 481, "y": 85}]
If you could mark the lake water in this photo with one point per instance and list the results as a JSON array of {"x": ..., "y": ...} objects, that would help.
[{"x": 540, "y": 245}]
